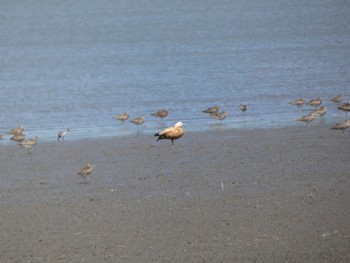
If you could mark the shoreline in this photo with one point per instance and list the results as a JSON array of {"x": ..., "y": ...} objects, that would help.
[
  {"x": 262, "y": 195},
  {"x": 127, "y": 132}
]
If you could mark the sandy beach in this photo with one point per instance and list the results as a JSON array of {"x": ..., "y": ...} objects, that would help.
[{"x": 263, "y": 195}]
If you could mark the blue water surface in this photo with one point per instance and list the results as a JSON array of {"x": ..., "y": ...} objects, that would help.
[{"x": 76, "y": 64}]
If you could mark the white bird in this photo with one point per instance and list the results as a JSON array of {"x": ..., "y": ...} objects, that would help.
[{"x": 61, "y": 134}]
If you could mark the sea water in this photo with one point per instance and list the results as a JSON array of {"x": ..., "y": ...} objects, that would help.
[{"x": 76, "y": 64}]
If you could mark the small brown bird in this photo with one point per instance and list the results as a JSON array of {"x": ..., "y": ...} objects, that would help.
[
  {"x": 2, "y": 136},
  {"x": 29, "y": 143},
  {"x": 345, "y": 107},
  {"x": 320, "y": 112},
  {"x": 61, "y": 134},
  {"x": 308, "y": 118},
  {"x": 315, "y": 102},
  {"x": 122, "y": 117},
  {"x": 337, "y": 99},
  {"x": 86, "y": 170},
  {"x": 213, "y": 109},
  {"x": 17, "y": 130},
  {"x": 219, "y": 115},
  {"x": 171, "y": 133},
  {"x": 298, "y": 102},
  {"x": 18, "y": 137},
  {"x": 341, "y": 125},
  {"x": 243, "y": 108},
  {"x": 160, "y": 114},
  {"x": 138, "y": 121}
]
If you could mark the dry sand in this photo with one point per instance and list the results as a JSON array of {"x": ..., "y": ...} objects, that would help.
[{"x": 279, "y": 195}]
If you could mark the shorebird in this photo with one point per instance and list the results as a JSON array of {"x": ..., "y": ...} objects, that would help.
[
  {"x": 171, "y": 133},
  {"x": 298, "y": 102},
  {"x": 315, "y": 102},
  {"x": 138, "y": 121},
  {"x": 308, "y": 118},
  {"x": 17, "y": 130},
  {"x": 2, "y": 136},
  {"x": 341, "y": 125},
  {"x": 213, "y": 109},
  {"x": 29, "y": 143},
  {"x": 161, "y": 114},
  {"x": 345, "y": 107},
  {"x": 243, "y": 108},
  {"x": 61, "y": 134},
  {"x": 320, "y": 112},
  {"x": 337, "y": 99},
  {"x": 86, "y": 170},
  {"x": 219, "y": 115},
  {"x": 18, "y": 137},
  {"x": 122, "y": 117}
]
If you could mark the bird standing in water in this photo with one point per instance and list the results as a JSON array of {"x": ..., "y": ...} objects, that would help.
[
  {"x": 122, "y": 117},
  {"x": 213, "y": 109},
  {"x": 243, "y": 108},
  {"x": 160, "y": 114},
  {"x": 219, "y": 115}
]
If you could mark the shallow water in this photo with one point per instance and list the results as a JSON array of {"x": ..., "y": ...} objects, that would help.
[{"x": 77, "y": 64}]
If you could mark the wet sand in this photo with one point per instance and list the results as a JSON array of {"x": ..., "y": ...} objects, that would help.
[{"x": 279, "y": 195}]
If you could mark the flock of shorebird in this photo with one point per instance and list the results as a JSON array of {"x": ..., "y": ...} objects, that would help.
[
  {"x": 213, "y": 113},
  {"x": 171, "y": 133},
  {"x": 321, "y": 111},
  {"x": 18, "y": 136},
  {"x": 177, "y": 131}
]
